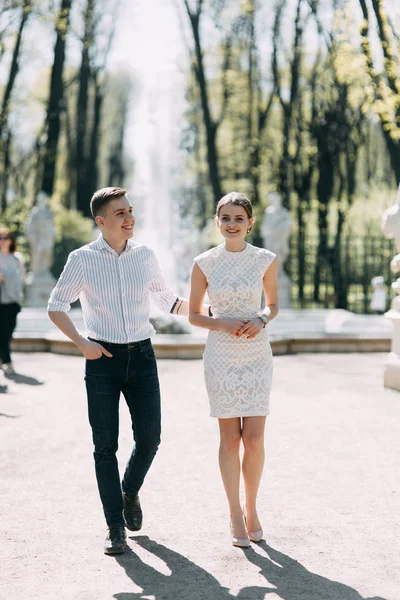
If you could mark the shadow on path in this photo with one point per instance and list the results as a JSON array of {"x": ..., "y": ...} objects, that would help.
[
  {"x": 292, "y": 581},
  {"x": 284, "y": 576},
  {"x": 19, "y": 378}
]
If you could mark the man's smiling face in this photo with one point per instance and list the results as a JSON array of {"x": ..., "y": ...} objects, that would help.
[{"x": 117, "y": 219}]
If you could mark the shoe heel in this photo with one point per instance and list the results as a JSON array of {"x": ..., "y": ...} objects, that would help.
[{"x": 254, "y": 536}]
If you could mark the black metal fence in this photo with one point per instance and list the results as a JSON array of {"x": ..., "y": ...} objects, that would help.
[{"x": 342, "y": 277}]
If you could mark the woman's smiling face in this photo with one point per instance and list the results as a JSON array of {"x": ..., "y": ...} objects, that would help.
[{"x": 233, "y": 221}]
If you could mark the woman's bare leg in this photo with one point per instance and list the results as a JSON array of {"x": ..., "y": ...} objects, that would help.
[
  {"x": 229, "y": 463},
  {"x": 253, "y": 464}
]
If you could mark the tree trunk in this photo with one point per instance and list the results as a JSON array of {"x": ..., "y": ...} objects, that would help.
[
  {"x": 210, "y": 125},
  {"x": 253, "y": 142},
  {"x": 5, "y": 133},
  {"x": 303, "y": 169},
  {"x": 324, "y": 192},
  {"x": 55, "y": 99},
  {"x": 339, "y": 283},
  {"x": 6, "y": 147},
  {"x": 285, "y": 164},
  {"x": 83, "y": 189},
  {"x": 93, "y": 169},
  {"x": 116, "y": 173},
  {"x": 70, "y": 197},
  {"x": 26, "y": 9}
]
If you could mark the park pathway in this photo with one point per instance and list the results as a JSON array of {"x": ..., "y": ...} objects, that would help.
[{"x": 329, "y": 503}]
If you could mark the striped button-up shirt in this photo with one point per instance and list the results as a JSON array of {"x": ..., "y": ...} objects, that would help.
[{"x": 114, "y": 290}]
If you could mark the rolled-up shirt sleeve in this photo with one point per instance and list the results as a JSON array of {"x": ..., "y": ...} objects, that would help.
[
  {"x": 69, "y": 285},
  {"x": 162, "y": 295}
]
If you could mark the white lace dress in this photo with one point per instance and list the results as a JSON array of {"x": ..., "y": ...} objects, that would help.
[{"x": 237, "y": 371}]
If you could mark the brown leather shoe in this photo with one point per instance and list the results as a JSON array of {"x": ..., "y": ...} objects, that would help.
[
  {"x": 132, "y": 512},
  {"x": 115, "y": 542}
]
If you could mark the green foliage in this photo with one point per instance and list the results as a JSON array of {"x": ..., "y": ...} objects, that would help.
[
  {"x": 342, "y": 93},
  {"x": 365, "y": 215},
  {"x": 73, "y": 230}
]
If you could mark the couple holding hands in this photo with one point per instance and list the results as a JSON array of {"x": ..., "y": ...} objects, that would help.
[{"x": 113, "y": 278}]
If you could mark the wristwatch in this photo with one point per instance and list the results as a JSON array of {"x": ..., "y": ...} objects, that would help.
[{"x": 264, "y": 319}]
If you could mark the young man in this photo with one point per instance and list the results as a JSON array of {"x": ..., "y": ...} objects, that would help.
[{"x": 113, "y": 278}]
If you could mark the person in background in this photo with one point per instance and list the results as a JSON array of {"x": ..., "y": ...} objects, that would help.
[{"x": 12, "y": 275}]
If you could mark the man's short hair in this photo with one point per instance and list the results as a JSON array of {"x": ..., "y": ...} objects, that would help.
[{"x": 102, "y": 197}]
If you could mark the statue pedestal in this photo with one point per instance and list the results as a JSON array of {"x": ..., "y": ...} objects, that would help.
[
  {"x": 284, "y": 290},
  {"x": 38, "y": 289},
  {"x": 392, "y": 365}
]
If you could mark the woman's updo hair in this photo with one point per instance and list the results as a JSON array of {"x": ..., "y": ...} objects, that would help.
[{"x": 237, "y": 199}]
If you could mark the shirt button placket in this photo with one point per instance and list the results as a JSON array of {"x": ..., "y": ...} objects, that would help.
[{"x": 124, "y": 297}]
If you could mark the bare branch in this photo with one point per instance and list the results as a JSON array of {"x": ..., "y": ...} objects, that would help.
[{"x": 182, "y": 28}]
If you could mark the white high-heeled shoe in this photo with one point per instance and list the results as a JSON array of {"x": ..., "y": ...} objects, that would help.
[
  {"x": 239, "y": 542},
  {"x": 254, "y": 536}
]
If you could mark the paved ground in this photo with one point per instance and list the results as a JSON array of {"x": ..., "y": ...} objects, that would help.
[{"x": 329, "y": 503}]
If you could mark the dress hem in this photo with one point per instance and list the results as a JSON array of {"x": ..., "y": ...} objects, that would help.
[{"x": 265, "y": 414}]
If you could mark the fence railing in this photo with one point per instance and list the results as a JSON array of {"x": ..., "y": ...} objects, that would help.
[{"x": 342, "y": 277}]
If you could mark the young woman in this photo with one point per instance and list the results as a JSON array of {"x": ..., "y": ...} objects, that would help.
[
  {"x": 237, "y": 358},
  {"x": 12, "y": 274}
]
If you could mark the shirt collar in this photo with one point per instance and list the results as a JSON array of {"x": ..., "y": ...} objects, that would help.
[{"x": 101, "y": 244}]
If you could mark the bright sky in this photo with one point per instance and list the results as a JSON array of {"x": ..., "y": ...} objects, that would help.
[{"x": 148, "y": 36}]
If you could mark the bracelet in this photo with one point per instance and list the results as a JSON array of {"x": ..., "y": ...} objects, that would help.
[
  {"x": 264, "y": 319},
  {"x": 173, "y": 306}
]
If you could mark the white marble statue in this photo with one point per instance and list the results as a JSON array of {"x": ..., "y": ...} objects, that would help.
[
  {"x": 40, "y": 232},
  {"x": 275, "y": 230},
  {"x": 391, "y": 221},
  {"x": 391, "y": 229},
  {"x": 378, "y": 298}
]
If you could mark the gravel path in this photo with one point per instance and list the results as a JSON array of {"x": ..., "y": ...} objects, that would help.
[{"x": 329, "y": 501}]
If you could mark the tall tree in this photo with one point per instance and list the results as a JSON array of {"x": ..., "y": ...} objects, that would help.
[
  {"x": 285, "y": 183},
  {"x": 385, "y": 85},
  {"x": 4, "y": 110},
  {"x": 116, "y": 167},
  {"x": 81, "y": 154},
  {"x": 259, "y": 104},
  {"x": 211, "y": 124},
  {"x": 55, "y": 101},
  {"x": 92, "y": 159},
  {"x": 5, "y": 133}
]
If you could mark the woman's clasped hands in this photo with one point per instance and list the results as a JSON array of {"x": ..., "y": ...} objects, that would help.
[{"x": 250, "y": 328}]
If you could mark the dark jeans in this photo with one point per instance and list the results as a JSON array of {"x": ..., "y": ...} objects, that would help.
[
  {"x": 8, "y": 322},
  {"x": 133, "y": 371}
]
